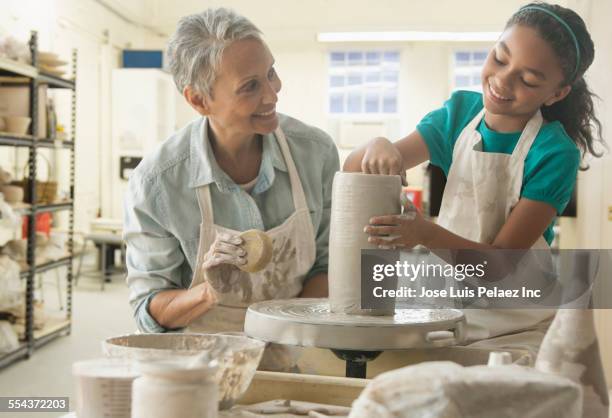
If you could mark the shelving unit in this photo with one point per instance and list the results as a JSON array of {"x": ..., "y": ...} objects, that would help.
[{"x": 29, "y": 75}]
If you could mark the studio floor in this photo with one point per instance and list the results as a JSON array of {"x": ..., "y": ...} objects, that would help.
[{"x": 49, "y": 371}]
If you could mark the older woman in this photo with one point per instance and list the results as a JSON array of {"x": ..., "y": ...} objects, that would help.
[{"x": 238, "y": 167}]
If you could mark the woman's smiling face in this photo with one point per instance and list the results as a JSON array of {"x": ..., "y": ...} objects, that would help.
[
  {"x": 521, "y": 74},
  {"x": 244, "y": 94}
]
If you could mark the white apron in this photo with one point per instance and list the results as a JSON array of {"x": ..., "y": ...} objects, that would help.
[
  {"x": 481, "y": 190},
  {"x": 293, "y": 255}
]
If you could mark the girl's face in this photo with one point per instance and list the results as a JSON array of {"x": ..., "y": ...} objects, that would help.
[
  {"x": 521, "y": 74},
  {"x": 244, "y": 95}
]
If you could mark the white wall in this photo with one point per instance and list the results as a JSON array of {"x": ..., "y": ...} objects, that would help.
[{"x": 99, "y": 35}]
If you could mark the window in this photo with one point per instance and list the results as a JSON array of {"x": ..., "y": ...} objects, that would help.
[
  {"x": 363, "y": 82},
  {"x": 467, "y": 66}
]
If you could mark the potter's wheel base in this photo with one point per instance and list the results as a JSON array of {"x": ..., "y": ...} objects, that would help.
[{"x": 356, "y": 361}]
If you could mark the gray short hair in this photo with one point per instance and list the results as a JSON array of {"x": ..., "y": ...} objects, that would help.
[{"x": 196, "y": 48}]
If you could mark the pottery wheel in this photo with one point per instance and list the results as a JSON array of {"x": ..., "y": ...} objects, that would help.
[{"x": 308, "y": 322}]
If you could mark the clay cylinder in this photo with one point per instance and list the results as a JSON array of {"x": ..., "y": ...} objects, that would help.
[{"x": 356, "y": 198}]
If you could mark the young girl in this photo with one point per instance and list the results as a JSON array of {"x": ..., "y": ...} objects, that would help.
[{"x": 510, "y": 154}]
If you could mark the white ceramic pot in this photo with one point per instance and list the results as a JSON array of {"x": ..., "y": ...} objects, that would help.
[
  {"x": 12, "y": 194},
  {"x": 17, "y": 124}
]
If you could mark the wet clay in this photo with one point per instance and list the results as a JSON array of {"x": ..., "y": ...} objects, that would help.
[{"x": 356, "y": 198}]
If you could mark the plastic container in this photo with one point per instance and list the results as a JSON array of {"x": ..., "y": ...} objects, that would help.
[
  {"x": 174, "y": 389},
  {"x": 104, "y": 388}
]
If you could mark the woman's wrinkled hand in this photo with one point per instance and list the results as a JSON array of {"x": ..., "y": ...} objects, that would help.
[
  {"x": 403, "y": 231},
  {"x": 226, "y": 249},
  {"x": 381, "y": 157}
]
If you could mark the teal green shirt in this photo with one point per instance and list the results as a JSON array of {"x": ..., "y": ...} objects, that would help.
[{"x": 550, "y": 166}]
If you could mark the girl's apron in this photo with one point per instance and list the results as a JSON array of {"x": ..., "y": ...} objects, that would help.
[
  {"x": 481, "y": 190},
  {"x": 293, "y": 255}
]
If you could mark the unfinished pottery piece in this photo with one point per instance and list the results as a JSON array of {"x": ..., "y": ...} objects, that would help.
[{"x": 356, "y": 197}]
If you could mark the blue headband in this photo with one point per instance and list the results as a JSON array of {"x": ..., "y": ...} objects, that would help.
[{"x": 566, "y": 26}]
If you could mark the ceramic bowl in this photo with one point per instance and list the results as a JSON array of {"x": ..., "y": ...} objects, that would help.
[
  {"x": 16, "y": 249},
  {"x": 17, "y": 124},
  {"x": 238, "y": 356},
  {"x": 12, "y": 194}
]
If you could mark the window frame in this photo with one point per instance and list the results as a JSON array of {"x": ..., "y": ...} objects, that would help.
[{"x": 363, "y": 90}]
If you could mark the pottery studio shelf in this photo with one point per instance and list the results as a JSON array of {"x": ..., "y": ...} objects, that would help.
[
  {"x": 14, "y": 140},
  {"x": 13, "y": 356},
  {"x": 54, "y": 328},
  {"x": 13, "y": 72},
  {"x": 48, "y": 265},
  {"x": 26, "y": 208},
  {"x": 30, "y": 77}
]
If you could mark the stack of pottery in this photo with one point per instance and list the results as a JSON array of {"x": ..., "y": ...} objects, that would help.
[{"x": 49, "y": 63}]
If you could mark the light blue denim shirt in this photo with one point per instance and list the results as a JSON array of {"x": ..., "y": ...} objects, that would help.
[{"x": 162, "y": 216}]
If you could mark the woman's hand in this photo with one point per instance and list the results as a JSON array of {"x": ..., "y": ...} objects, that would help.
[
  {"x": 381, "y": 157},
  {"x": 226, "y": 249},
  {"x": 399, "y": 231}
]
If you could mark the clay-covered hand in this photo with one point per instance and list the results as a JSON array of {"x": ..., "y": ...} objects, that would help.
[
  {"x": 226, "y": 249},
  {"x": 398, "y": 231},
  {"x": 381, "y": 157}
]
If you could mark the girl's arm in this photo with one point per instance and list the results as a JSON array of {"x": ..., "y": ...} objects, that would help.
[
  {"x": 380, "y": 156},
  {"x": 526, "y": 223}
]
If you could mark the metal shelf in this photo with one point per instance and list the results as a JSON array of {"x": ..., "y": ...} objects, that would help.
[
  {"x": 12, "y": 73},
  {"x": 18, "y": 69},
  {"x": 50, "y": 265},
  {"x": 55, "y": 82},
  {"x": 27, "y": 209},
  {"x": 15, "y": 68},
  {"x": 23, "y": 209},
  {"x": 54, "y": 207},
  {"x": 16, "y": 140},
  {"x": 50, "y": 143},
  {"x": 56, "y": 328},
  {"x": 9, "y": 358}
]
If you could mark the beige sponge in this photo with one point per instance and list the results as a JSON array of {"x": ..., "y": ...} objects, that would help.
[{"x": 258, "y": 246}]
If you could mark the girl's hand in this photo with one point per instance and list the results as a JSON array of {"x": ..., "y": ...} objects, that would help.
[
  {"x": 398, "y": 231},
  {"x": 381, "y": 157}
]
